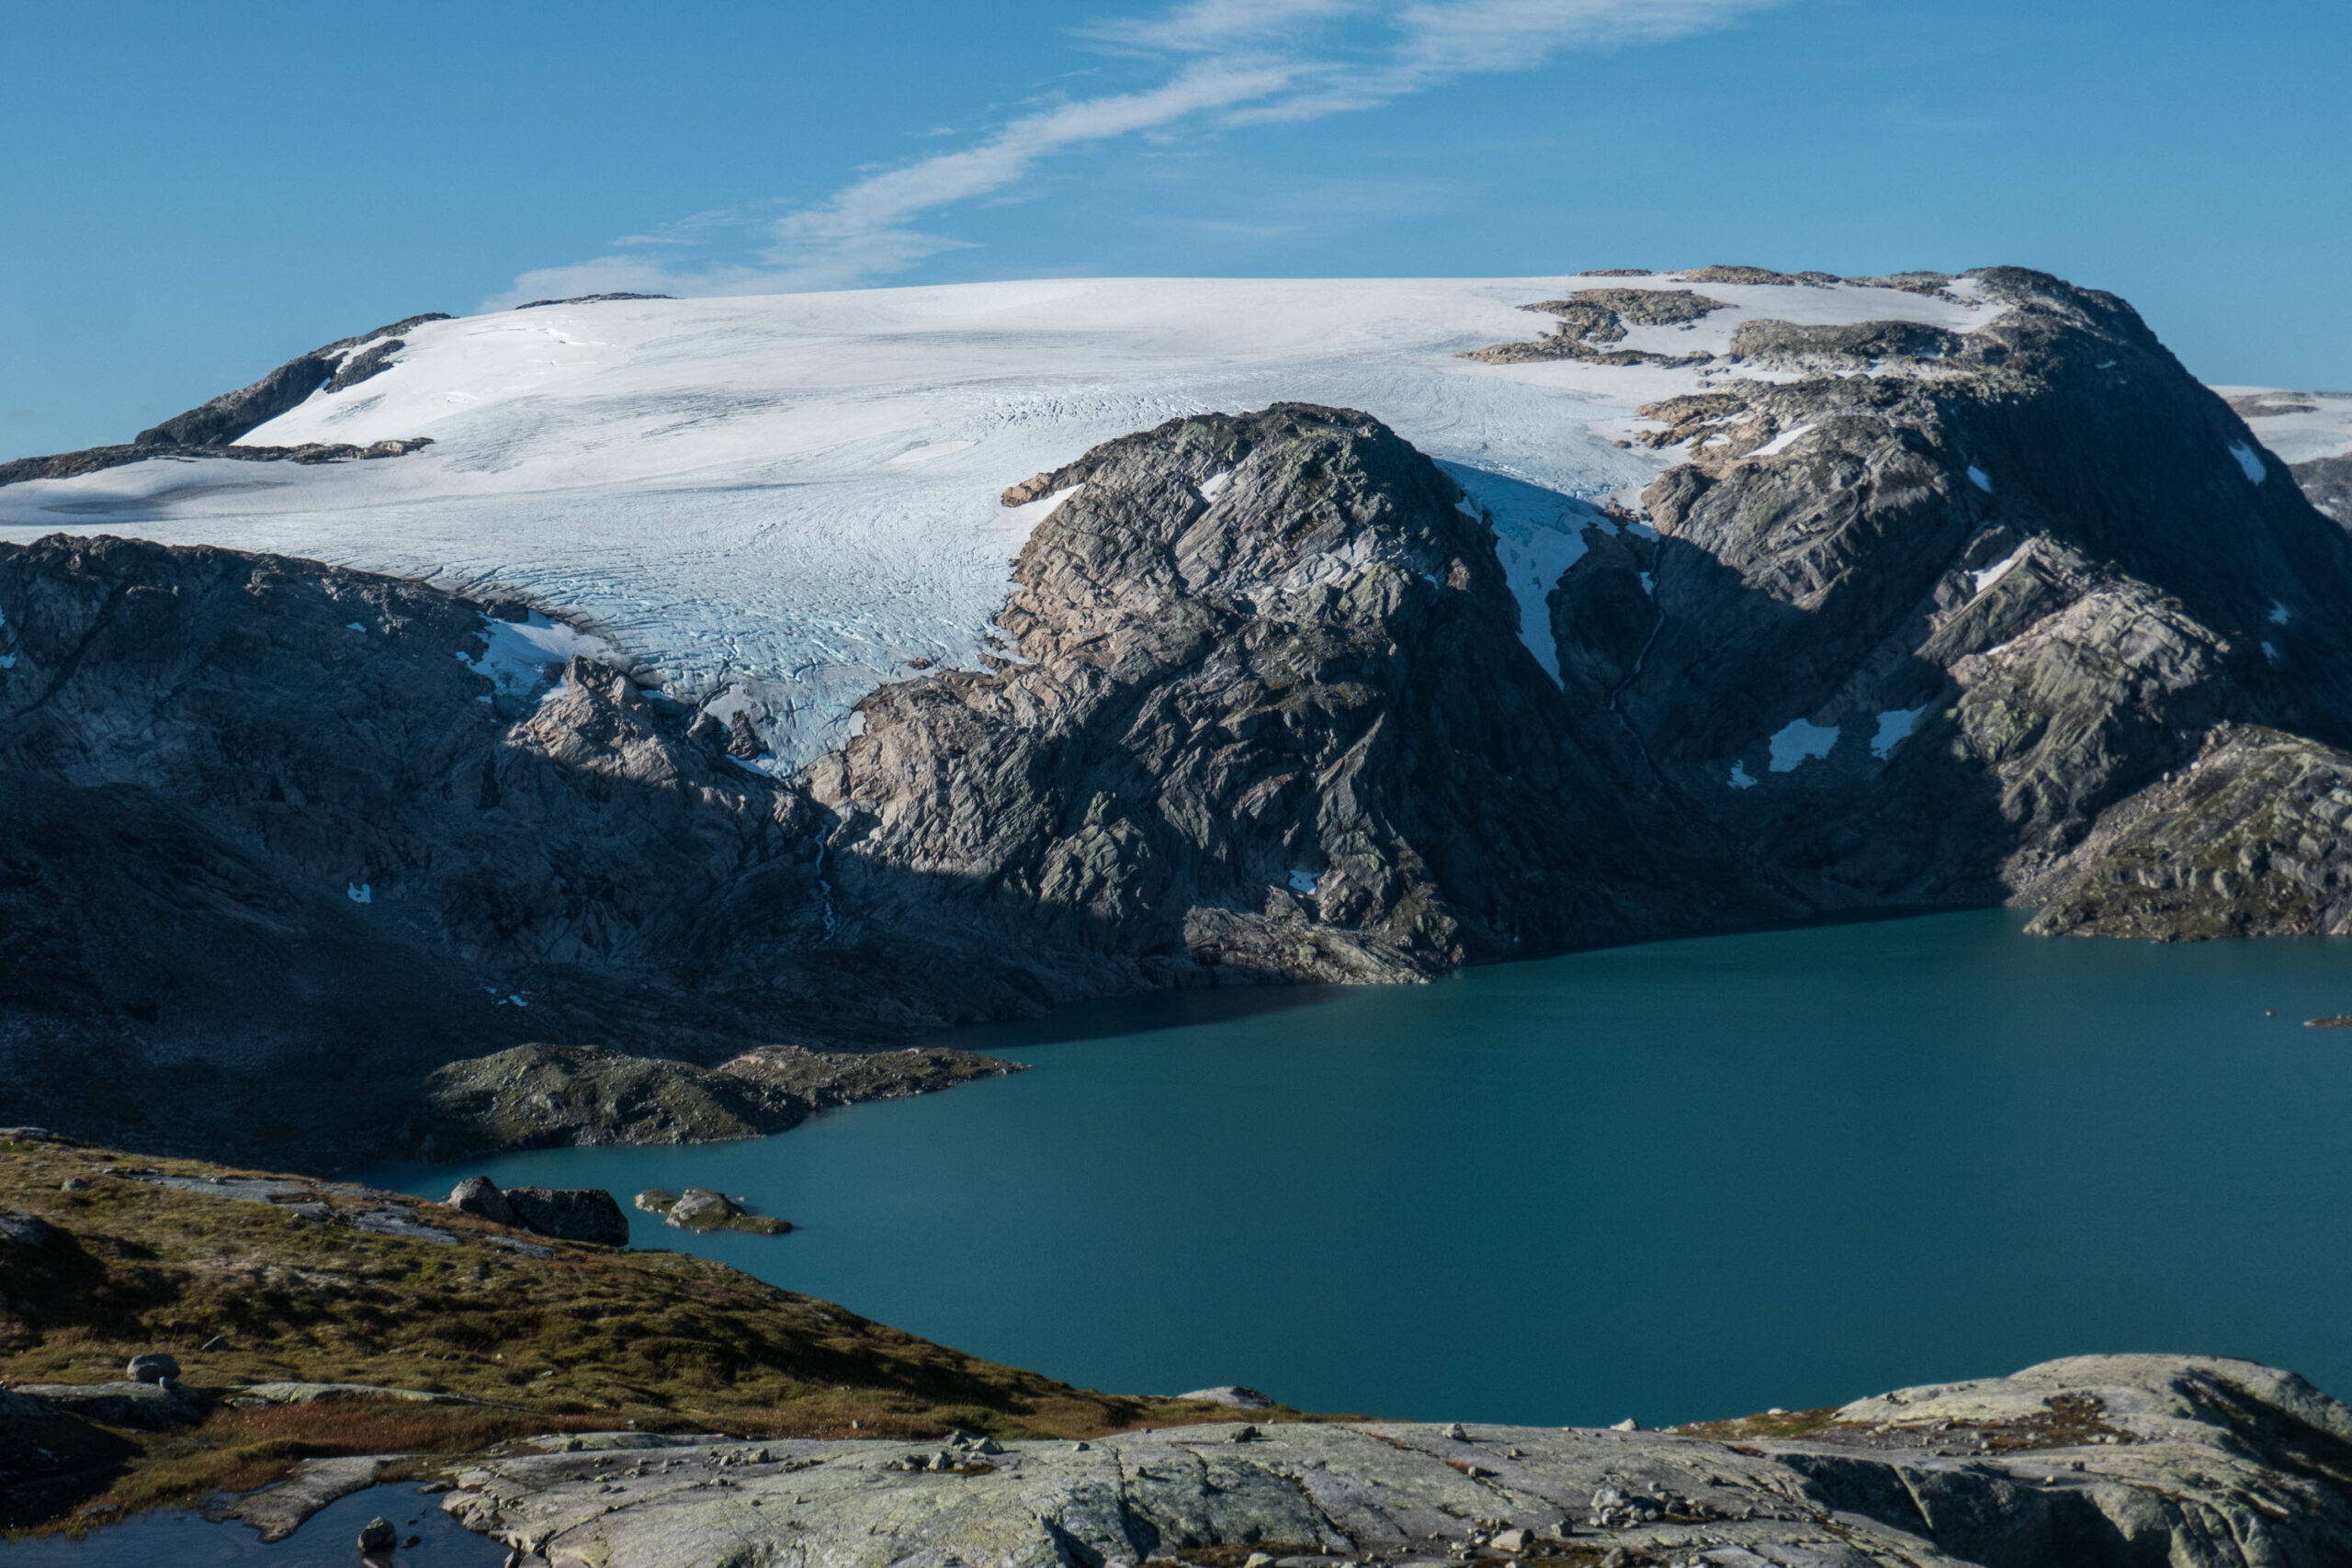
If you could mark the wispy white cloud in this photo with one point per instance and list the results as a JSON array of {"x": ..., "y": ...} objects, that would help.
[{"x": 1228, "y": 63}]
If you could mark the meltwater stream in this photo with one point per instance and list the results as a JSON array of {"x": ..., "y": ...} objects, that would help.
[{"x": 1688, "y": 1179}]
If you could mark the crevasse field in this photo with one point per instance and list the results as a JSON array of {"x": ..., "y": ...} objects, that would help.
[{"x": 776, "y": 502}]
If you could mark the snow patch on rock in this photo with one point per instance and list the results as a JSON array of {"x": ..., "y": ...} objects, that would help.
[
  {"x": 1799, "y": 741},
  {"x": 1894, "y": 726},
  {"x": 523, "y": 657}
]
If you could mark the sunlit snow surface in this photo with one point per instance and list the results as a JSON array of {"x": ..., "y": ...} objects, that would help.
[
  {"x": 779, "y": 501},
  {"x": 2310, "y": 424}
]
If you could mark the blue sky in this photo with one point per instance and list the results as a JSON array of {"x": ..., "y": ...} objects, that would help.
[{"x": 194, "y": 193}]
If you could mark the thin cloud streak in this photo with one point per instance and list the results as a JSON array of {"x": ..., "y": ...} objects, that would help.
[{"x": 1233, "y": 63}]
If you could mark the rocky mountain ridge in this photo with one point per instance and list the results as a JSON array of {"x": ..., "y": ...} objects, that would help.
[
  {"x": 1912, "y": 617},
  {"x": 215, "y": 428}
]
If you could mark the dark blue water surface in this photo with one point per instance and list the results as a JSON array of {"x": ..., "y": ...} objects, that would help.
[
  {"x": 170, "y": 1539},
  {"x": 1671, "y": 1181}
]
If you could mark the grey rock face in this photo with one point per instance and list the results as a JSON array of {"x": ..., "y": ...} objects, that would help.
[
  {"x": 89, "y": 460},
  {"x": 536, "y": 1096},
  {"x": 1233, "y": 1396},
  {"x": 1591, "y": 317},
  {"x": 1909, "y": 628},
  {"x": 2253, "y": 836},
  {"x": 2094, "y": 1463},
  {"x": 2328, "y": 482},
  {"x": 213, "y": 429},
  {"x": 210, "y": 760},
  {"x": 1917, "y": 624},
  {"x": 567, "y": 1213},
  {"x": 480, "y": 1195},
  {"x": 278, "y": 1511},
  {"x": 132, "y": 1403},
  {"x": 590, "y": 299},
  {"x": 1263, "y": 712},
  {"x": 156, "y": 1366},
  {"x": 25, "y": 1230}
]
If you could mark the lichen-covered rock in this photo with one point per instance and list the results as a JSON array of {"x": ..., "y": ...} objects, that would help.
[{"x": 2093, "y": 1462}]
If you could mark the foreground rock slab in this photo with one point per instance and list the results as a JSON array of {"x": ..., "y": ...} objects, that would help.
[{"x": 2090, "y": 1461}]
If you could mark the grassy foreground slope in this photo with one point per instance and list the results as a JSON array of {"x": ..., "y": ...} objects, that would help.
[{"x": 246, "y": 1292}]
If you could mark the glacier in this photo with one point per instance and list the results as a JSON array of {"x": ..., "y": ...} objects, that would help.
[{"x": 777, "y": 503}]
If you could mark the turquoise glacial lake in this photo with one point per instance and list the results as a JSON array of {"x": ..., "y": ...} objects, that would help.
[{"x": 1668, "y": 1182}]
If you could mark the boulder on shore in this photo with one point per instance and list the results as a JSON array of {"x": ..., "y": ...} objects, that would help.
[{"x": 567, "y": 1213}]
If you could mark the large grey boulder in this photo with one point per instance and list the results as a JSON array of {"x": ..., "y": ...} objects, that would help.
[
  {"x": 590, "y": 1214},
  {"x": 567, "y": 1213},
  {"x": 479, "y": 1196},
  {"x": 2093, "y": 1462}
]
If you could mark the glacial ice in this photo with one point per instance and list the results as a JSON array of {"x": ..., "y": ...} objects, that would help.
[{"x": 792, "y": 496}]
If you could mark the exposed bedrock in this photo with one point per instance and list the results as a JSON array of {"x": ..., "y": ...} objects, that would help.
[
  {"x": 1916, "y": 625},
  {"x": 274, "y": 849},
  {"x": 279, "y": 842},
  {"x": 1263, "y": 709},
  {"x": 2098, "y": 1461},
  {"x": 2328, "y": 482},
  {"x": 278, "y": 850}
]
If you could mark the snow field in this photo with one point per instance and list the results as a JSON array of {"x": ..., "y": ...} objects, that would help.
[{"x": 779, "y": 503}]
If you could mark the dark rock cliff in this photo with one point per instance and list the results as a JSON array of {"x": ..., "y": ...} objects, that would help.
[
  {"x": 272, "y": 849},
  {"x": 1264, "y": 708},
  {"x": 1917, "y": 623}
]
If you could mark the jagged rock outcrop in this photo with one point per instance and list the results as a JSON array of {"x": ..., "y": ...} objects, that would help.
[
  {"x": 221, "y": 422},
  {"x": 1263, "y": 709},
  {"x": 1920, "y": 619},
  {"x": 1923, "y": 624},
  {"x": 66, "y": 464},
  {"x": 2099, "y": 1462},
  {"x": 590, "y": 299},
  {"x": 280, "y": 847}
]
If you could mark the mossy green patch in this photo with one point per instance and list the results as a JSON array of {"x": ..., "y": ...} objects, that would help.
[{"x": 247, "y": 1291}]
